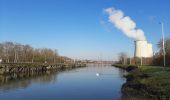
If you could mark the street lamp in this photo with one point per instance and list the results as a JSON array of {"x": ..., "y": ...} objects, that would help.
[{"x": 163, "y": 42}]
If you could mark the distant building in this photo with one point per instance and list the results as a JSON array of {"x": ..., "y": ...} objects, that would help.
[
  {"x": 0, "y": 60},
  {"x": 143, "y": 49}
]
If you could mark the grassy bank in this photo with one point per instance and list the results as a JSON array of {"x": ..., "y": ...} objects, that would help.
[{"x": 150, "y": 81}]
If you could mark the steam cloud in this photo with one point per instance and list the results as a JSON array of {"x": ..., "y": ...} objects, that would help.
[{"x": 125, "y": 24}]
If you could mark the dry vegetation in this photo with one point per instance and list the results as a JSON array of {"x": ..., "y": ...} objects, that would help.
[{"x": 18, "y": 53}]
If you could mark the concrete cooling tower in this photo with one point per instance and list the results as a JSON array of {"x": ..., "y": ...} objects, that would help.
[{"x": 143, "y": 49}]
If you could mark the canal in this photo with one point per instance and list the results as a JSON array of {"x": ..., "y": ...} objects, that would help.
[{"x": 95, "y": 82}]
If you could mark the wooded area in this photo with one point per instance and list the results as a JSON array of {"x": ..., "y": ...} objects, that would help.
[
  {"x": 158, "y": 57},
  {"x": 11, "y": 52}
]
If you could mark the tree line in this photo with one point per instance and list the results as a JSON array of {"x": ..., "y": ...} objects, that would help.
[
  {"x": 11, "y": 52},
  {"x": 158, "y": 57}
]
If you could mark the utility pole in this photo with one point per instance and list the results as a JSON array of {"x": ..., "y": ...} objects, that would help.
[
  {"x": 163, "y": 43},
  {"x": 141, "y": 61}
]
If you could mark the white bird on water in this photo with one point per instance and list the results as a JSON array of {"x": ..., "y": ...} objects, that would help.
[{"x": 97, "y": 74}]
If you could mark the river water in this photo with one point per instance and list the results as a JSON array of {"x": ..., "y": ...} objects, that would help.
[{"x": 95, "y": 82}]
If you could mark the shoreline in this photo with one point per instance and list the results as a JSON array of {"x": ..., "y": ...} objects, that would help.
[
  {"x": 149, "y": 82},
  {"x": 35, "y": 67}
]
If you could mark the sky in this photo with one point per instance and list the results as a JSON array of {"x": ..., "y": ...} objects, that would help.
[{"x": 80, "y": 28}]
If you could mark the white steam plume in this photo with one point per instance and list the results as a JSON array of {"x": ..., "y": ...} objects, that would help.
[{"x": 125, "y": 24}]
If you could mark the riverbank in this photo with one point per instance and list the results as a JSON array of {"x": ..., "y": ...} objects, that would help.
[
  {"x": 9, "y": 68},
  {"x": 149, "y": 81}
]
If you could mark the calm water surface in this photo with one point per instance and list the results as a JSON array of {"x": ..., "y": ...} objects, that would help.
[{"x": 75, "y": 84}]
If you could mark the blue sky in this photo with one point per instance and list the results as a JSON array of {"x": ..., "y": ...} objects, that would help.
[{"x": 80, "y": 28}]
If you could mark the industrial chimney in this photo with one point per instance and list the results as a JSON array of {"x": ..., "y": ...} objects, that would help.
[{"x": 143, "y": 49}]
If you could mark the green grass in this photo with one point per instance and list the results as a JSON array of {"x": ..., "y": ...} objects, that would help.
[
  {"x": 154, "y": 79},
  {"x": 158, "y": 79}
]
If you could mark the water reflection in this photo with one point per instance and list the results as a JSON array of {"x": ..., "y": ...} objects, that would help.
[
  {"x": 72, "y": 84},
  {"x": 23, "y": 80}
]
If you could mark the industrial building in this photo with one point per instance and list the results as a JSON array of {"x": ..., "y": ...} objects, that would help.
[{"x": 143, "y": 49}]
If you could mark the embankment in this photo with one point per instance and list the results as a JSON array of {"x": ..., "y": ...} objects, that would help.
[
  {"x": 35, "y": 67},
  {"x": 147, "y": 82}
]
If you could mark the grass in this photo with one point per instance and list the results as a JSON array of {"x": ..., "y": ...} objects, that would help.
[
  {"x": 158, "y": 79},
  {"x": 154, "y": 80}
]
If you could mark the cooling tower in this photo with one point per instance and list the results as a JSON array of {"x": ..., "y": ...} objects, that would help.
[
  {"x": 150, "y": 50},
  {"x": 143, "y": 49}
]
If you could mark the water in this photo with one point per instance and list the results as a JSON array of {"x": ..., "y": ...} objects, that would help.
[{"x": 88, "y": 83}]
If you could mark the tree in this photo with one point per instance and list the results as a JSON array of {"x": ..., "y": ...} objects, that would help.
[
  {"x": 19, "y": 53},
  {"x": 167, "y": 46},
  {"x": 158, "y": 59},
  {"x": 123, "y": 57}
]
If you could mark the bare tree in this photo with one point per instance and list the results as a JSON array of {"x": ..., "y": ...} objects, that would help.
[
  {"x": 123, "y": 58},
  {"x": 18, "y": 53},
  {"x": 167, "y": 46}
]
